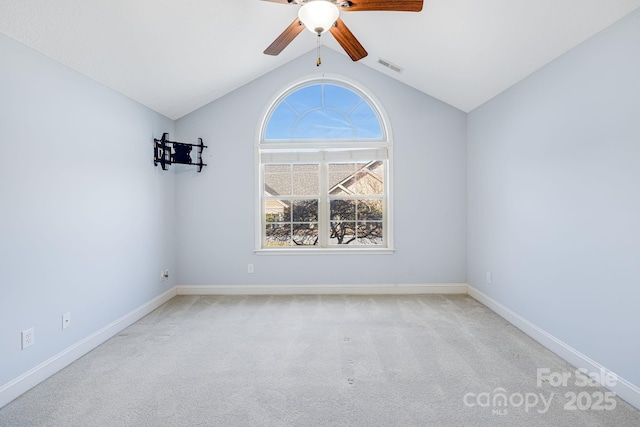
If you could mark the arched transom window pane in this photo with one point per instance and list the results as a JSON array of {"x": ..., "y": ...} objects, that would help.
[
  {"x": 324, "y": 172},
  {"x": 323, "y": 111}
]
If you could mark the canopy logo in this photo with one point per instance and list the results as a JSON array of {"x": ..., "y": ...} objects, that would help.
[{"x": 501, "y": 402}]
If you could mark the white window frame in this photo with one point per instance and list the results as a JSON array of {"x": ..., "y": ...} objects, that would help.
[{"x": 324, "y": 152}]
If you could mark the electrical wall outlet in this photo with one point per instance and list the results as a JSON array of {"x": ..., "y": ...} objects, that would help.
[
  {"x": 489, "y": 278},
  {"x": 250, "y": 268},
  {"x": 28, "y": 338},
  {"x": 66, "y": 320}
]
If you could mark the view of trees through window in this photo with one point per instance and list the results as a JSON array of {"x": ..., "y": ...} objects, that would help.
[
  {"x": 355, "y": 190},
  {"x": 356, "y": 203},
  {"x": 323, "y": 196}
]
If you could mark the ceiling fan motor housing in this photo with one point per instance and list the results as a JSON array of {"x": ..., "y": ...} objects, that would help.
[{"x": 318, "y": 15}]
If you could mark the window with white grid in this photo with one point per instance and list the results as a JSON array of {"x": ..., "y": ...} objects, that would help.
[{"x": 324, "y": 163}]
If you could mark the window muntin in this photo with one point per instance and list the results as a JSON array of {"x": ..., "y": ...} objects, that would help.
[
  {"x": 353, "y": 211},
  {"x": 291, "y": 198},
  {"x": 324, "y": 164},
  {"x": 356, "y": 203},
  {"x": 323, "y": 111}
]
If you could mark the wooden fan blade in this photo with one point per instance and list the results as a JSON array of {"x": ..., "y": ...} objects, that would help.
[
  {"x": 282, "y": 1},
  {"x": 397, "y": 5},
  {"x": 348, "y": 41},
  {"x": 285, "y": 38}
]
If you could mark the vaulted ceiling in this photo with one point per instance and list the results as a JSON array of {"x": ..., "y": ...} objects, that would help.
[{"x": 176, "y": 55}]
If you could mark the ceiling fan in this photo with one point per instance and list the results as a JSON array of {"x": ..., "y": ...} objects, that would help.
[{"x": 320, "y": 16}]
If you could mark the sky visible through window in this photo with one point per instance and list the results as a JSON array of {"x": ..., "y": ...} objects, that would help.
[{"x": 323, "y": 111}]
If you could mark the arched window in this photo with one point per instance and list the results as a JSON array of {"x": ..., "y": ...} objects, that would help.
[
  {"x": 323, "y": 111},
  {"x": 324, "y": 162}
]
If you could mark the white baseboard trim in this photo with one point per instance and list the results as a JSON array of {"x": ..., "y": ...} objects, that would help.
[
  {"x": 8, "y": 392},
  {"x": 412, "y": 289},
  {"x": 622, "y": 388},
  {"x": 35, "y": 376}
]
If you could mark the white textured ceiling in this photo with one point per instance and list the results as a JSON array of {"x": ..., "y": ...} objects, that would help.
[{"x": 177, "y": 55}]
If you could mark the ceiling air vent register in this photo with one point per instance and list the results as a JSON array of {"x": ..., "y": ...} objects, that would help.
[{"x": 390, "y": 65}]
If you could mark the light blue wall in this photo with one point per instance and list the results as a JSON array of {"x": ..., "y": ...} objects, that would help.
[
  {"x": 85, "y": 218},
  {"x": 550, "y": 192},
  {"x": 216, "y": 208},
  {"x": 554, "y": 198}
]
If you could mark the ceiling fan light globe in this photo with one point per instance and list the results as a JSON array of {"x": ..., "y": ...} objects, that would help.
[{"x": 318, "y": 15}]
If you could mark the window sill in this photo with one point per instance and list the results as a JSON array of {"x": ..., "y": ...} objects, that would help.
[{"x": 326, "y": 251}]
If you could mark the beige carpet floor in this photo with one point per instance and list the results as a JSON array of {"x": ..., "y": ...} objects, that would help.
[{"x": 318, "y": 361}]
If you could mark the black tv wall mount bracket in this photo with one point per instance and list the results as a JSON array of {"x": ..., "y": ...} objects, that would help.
[{"x": 167, "y": 152}]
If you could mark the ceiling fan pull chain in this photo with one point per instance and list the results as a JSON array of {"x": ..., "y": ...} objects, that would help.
[{"x": 319, "y": 61}]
